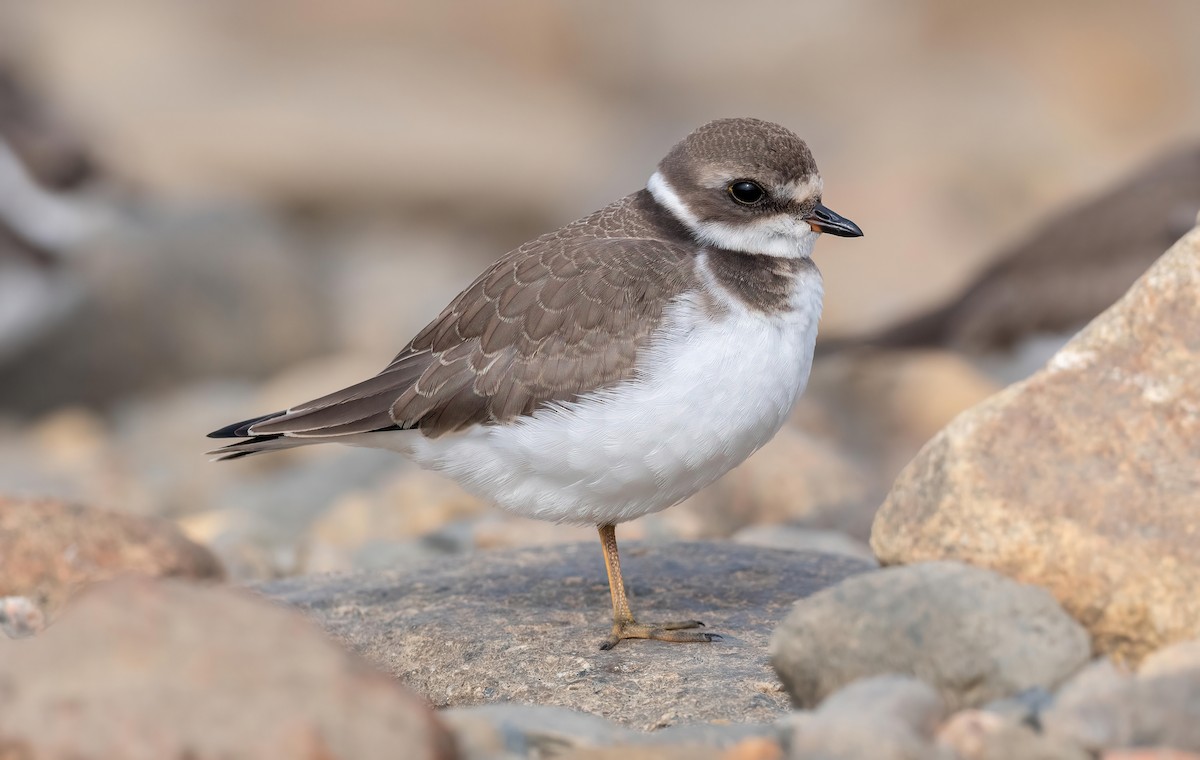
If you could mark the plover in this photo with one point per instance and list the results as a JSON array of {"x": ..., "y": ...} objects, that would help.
[{"x": 616, "y": 366}]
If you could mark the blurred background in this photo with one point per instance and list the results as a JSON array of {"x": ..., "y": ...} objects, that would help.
[{"x": 214, "y": 210}]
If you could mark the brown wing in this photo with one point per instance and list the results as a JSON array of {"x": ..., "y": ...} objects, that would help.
[{"x": 546, "y": 323}]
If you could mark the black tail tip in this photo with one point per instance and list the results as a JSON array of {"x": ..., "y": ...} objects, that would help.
[{"x": 242, "y": 429}]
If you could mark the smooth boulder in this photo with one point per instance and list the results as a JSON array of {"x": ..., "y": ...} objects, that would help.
[
  {"x": 970, "y": 633},
  {"x": 137, "y": 668}
]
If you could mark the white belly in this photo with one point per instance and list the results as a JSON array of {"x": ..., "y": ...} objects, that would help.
[{"x": 708, "y": 395}]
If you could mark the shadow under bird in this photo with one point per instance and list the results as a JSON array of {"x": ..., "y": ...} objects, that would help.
[
  {"x": 1070, "y": 268},
  {"x": 618, "y": 365}
]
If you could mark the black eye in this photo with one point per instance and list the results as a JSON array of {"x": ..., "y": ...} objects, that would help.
[{"x": 746, "y": 192}]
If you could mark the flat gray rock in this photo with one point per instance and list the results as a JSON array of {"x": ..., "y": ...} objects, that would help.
[{"x": 525, "y": 626}]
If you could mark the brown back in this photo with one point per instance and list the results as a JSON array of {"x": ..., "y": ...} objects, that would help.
[{"x": 562, "y": 315}]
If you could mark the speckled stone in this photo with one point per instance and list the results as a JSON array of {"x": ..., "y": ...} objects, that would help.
[
  {"x": 525, "y": 626},
  {"x": 1083, "y": 478}
]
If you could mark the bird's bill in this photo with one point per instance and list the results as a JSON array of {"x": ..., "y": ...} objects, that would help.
[{"x": 825, "y": 220}]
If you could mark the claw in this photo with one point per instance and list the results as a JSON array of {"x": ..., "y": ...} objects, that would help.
[{"x": 678, "y": 632}]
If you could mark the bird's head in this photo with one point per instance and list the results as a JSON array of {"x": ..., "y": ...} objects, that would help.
[{"x": 748, "y": 186}]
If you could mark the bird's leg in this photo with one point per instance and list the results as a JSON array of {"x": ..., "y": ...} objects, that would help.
[{"x": 624, "y": 626}]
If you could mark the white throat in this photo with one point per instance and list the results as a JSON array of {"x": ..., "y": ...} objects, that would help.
[{"x": 780, "y": 235}]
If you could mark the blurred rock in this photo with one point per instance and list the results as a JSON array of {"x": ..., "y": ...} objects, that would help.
[
  {"x": 1152, "y": 753},
  {"x": 268, "y": 513},
  {"x": 32, "y": 300},
  {"x": 740, "y": 740},
  {"x": 318, "y": 109},
  {"x": 796, "y": 538},
  {"x": 1023, "y": 707},
  {"x": 389, "y": 277},
  {"x": 1178, "y": 657},
  {"x": 485, "y": 732},
  {"x": 970, "y": 633},
  {"x": 979, "y": 735},
  {"x": 20, "y": 617},
  {"x": 546, "y": 109},
  {"x": 525, "y": 626},
  {"x": 1073, "y": 266},
  {"x": 142, "y": 669},
  {"x": 882, "y": 408},
  {"x": 38, "y": 228},
  {"x": 408, "y": 506},
  {"x": 1089, "y": 708},
  {"x": 751, "y": 749},
  {"x": 685, "y": 752},
  {"x": 1104, "y": 708},
  {"x": 48, "y": 550},
  {"x": 887, "y": 717},
  {"x": 792, "y": 477},
  {"x": 53, "y": 152},
  {"x": 498, "y": 530},
  {"x": 173, "y": 295},
  {"x": 1083, "y": 478}
]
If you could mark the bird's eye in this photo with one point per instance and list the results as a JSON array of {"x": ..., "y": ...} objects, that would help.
[{"x": 746, "y": 192}]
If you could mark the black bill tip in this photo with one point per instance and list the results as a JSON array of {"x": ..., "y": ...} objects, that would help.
[{"x": 825, "y": 220}]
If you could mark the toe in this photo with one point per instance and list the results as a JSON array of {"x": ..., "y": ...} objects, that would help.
[{"x": 680, "y": 625}]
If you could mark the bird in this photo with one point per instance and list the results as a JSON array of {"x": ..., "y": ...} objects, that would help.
[
  {"x": 1066, "y": 270},
  {"x": 615, "y": 366}
]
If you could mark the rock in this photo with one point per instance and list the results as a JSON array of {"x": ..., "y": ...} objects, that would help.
[
  {"x": 499, "y": 530},
  {"x": 1105, "y": 708},
  {"x": 33, "y": 300},
  {"x": 20, "y": 617},
  {"x": 751, "y": 749},
  {"x": 525, "y": 626},
  {"x": 124, "y": 336},
  {"x": 1083, "y": 478},
  {"x": 1151, "y": 753},
  {"x": 686, "y": 752},
  {"x": 144, "y": 458},
  {"x": 331, "y": 81},
  {"x": 1069, "y": 268},
  {"x": 793, "y": 476},
  {"x": 485, "y": 732},
  {"x": 883, "y": 407},
  {"x": 49, "y": 549},
  {"x": 796, "y": 538},
  {"x": 682, "y": 752},
  {"x": 156, "y": 669},
  {"x": 1173, "y": 659},
  {"x": 972, "y": 634},
  {"x": 731, "y": 736},
  {"x": 1023, "y": 707},
  {"x": 271, "y": 505},
  {"x": 1087, "y": 707},
  {"x": 52, "y": 152},
  {"x": 881, "y": 718},
  {"x": 415, "y": 503},
  {"x": 979, "y": 735}
]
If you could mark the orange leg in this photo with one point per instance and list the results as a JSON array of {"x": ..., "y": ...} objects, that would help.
[{"x": 624, "y": 625}]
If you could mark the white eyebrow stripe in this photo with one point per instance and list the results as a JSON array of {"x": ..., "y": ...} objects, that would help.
[
  {"x": 811, "y": 187},
  {"x": 776, "y": 235}
]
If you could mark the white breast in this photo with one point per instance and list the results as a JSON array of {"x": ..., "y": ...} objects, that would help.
[{"x": 709, "y": 392}]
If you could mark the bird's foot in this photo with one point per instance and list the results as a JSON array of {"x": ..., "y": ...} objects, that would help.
[{"x": 682, "y": 631}]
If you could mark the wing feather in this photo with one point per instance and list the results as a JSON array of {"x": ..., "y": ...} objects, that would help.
[{"x": 549, "y": 322}]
